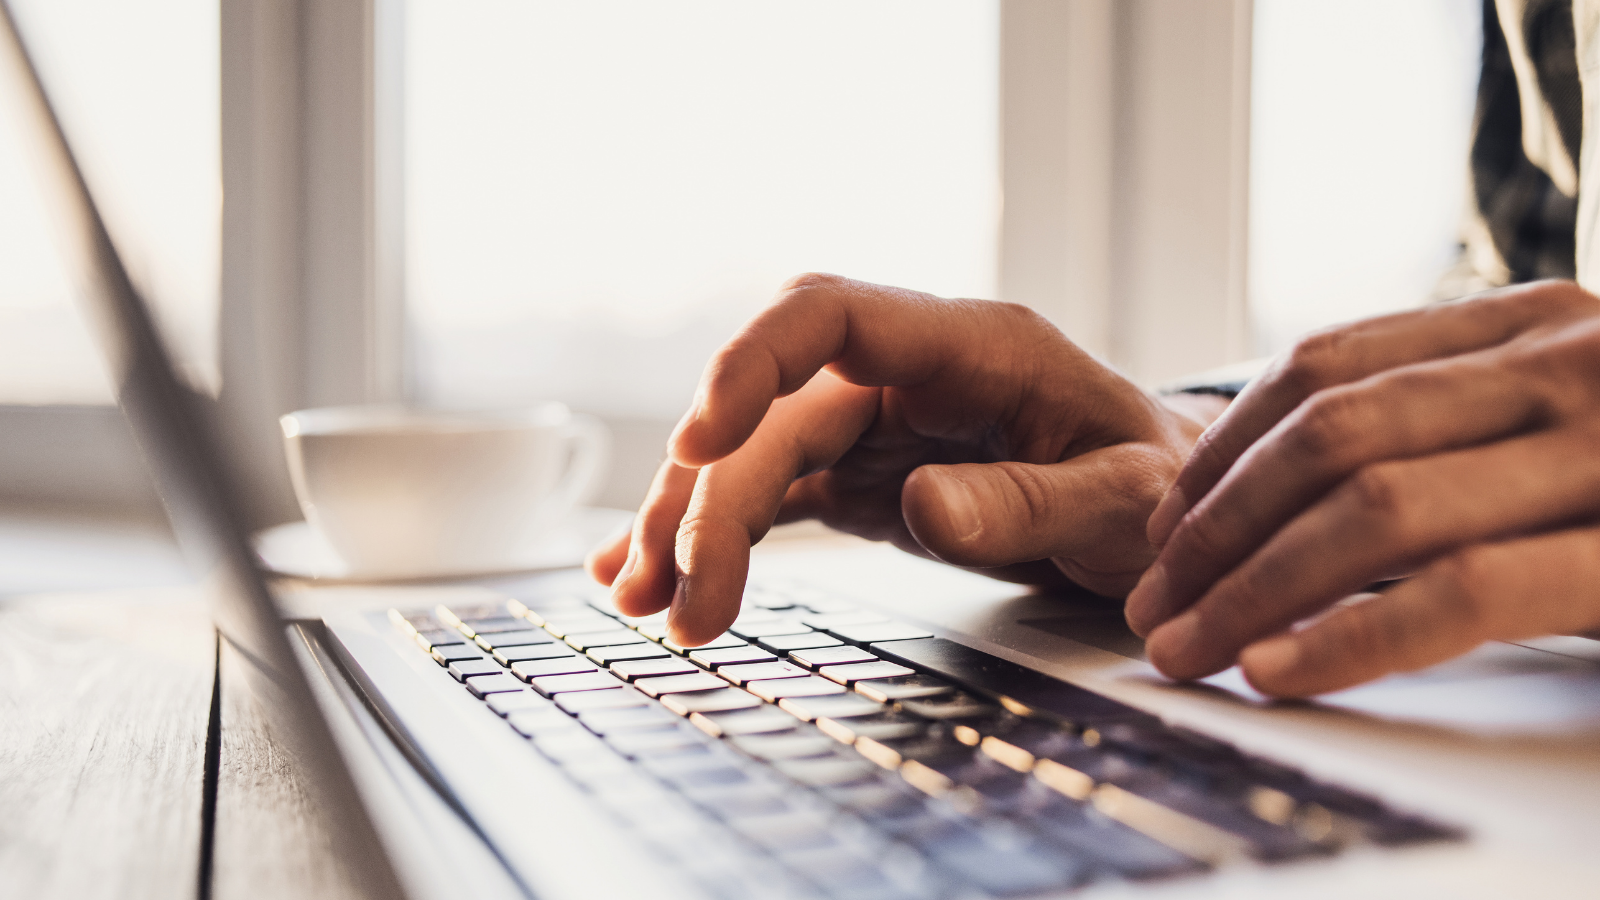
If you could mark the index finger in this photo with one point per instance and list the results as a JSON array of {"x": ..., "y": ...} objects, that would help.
[
  {"x": 1352, "y": 353},
  {"x": 867, "y": 334}
]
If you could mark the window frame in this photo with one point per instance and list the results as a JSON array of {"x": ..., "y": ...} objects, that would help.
[{"x": 1124, "y": 136}]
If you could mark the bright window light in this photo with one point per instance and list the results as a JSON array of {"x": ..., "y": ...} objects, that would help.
[
  {"x": 598, "y": 194},
  {"x": 1358, "y": 166},
  {"x": 137, "y": 87}
]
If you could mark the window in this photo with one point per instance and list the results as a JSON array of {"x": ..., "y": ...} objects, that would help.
[
  {"x": 599, "y": 194},
  {"x": 136, "y": 87},
  {"x": 1361, "y": 120}
]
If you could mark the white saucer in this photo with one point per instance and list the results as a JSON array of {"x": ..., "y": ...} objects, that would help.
[{"x": 300, "y": 551}]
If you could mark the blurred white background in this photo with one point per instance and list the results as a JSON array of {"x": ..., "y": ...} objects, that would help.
[
  {"x": 1361, "y": 113},
  {"x": 600, "y": 193},
  {"x": 136, "y": 85}
]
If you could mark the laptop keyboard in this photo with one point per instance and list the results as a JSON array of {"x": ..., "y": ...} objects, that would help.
[{"x": 818, "y": 749}]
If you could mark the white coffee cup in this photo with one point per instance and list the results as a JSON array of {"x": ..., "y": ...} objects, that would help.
[{"x": 400, "y": 492}]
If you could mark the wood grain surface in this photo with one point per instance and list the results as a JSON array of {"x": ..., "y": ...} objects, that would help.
[
  {"x": 103, "y": 711},
  {"x": 271, "y": 840}
]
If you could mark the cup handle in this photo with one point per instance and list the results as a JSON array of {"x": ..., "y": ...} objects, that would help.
[{"x": 591, "y": 452}]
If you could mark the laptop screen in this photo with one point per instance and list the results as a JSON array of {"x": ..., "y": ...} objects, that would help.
[{"x": 171, "y": 425}]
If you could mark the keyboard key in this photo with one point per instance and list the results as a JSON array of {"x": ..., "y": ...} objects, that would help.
[
  {"x": 827, "y": 621},
  {"x": 588, "y": 681},
  {"x": 819, "y": 602},
  {"x": 786, "y": 831},
  {"x": 567, "y": 606},
  {"x": 741, "y": 801},
  {"x": 1011, "y": 872},
  {"x": 564, "y": 665},
  {"x": 845, "y": 872},
  {"x": 522, "y": 606},
  {"x": 576, "y": 745},
  {"x": 882, "y": 727},
  {"x": 905, "y": 687},
  {"x": 837, "y": 655},
  {"x": 743, "y": 674},
  {"x": 692, "y": 773},
  {"x": 783, "y": 643},
  {"x": 882, "y": 631},
  {"x": 658, "y": 743},
  {"x": 605, "y": 656},
  {"x": 462, "y": 669},
  {"x": 760, "y": 720},
  {"x": 717, "y": 643},
  {"x": 836, "y": 707},
  {"x": 776, "y": 627},
  {"x": 657, "y": 618},
  {"x": 797, "y": 744},
  {"x": 826, "y": 771},
  {"x": 950, "y": 706},
  {"x": 483, "y": 685},
  {"x": 809, "y": 686},
  {"x": 494, "y": 624},
  {"x": 709, "y": 701},
  {"x": 512, "y": 639},
  {"x": 509, "y": 702},
  {"x": 679, "y": 684},
  {"x": 655, "y": 630},
  {"x": 850, "y": 674},
  {"x": 610, "y": 637},
  {"x": 628, "y": 670},
  {"x": 563, "y": 626},
  {"x": 507, "y": 656},
  {"x": 1003, "y": 677},
  {"x": 529, "y": 723},
  {"x": 731, "y": 656},
  {"x": 752, "y": 615},
  {"x": 606, "y": 721},
  {"x": 580, "y": 702},
  {"x": 428, "y": 637},
  {"x": 445, "y": 654},
  {"x": 755, "y": 598}
]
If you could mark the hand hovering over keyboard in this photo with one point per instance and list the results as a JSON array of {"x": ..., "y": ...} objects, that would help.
[
  {"x": 967, "y": 431},
  {"x": 1459, "y": 442}
]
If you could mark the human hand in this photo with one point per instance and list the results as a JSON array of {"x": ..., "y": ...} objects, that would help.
[
  {"x": 968, "y": 431},
  {"x": 1460, "y": 442}
]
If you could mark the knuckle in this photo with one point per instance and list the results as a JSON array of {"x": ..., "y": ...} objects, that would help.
[
  {"x": 809, "y": 283},
  {"x": 1324, "y": 429},
  {"x": 1378, "y": 493},
  {"x": 1315, "y": 361},
  {"x": 1558, "y": 298},
  {"x": 1033, "y": 497},
  {"x": 1018, "y": 313},
  {"x": 1203, "y": 537},
  {"x": 1469, "y": 578}
]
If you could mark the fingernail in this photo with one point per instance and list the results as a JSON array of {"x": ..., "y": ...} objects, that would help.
[
  {"x": 1147, "y": 602},
  {"x": 627, "y": 566},
  {"x": 688, "y": 419},
  {"x": 1267, "y": 664},
  {"x": 960, "y": 506},
  {"x": 675, "y": 612},
  {"x": 1171, "y": 645}
]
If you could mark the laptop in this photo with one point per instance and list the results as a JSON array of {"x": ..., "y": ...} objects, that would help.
[{"x": 872, "y": 726}]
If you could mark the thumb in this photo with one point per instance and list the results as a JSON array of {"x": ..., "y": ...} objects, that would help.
[{"x": 1091, "y": 509}]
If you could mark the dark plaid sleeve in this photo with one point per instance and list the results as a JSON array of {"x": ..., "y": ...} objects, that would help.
[{"x": 1530, "y": 221}]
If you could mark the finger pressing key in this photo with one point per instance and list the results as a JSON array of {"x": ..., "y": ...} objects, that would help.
[
  {"x": 647, "y": 579},
  {"x": 736, "y": 499}
]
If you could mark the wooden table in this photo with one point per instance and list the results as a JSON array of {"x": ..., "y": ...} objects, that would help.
[{"x": 104, "y": 705}]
